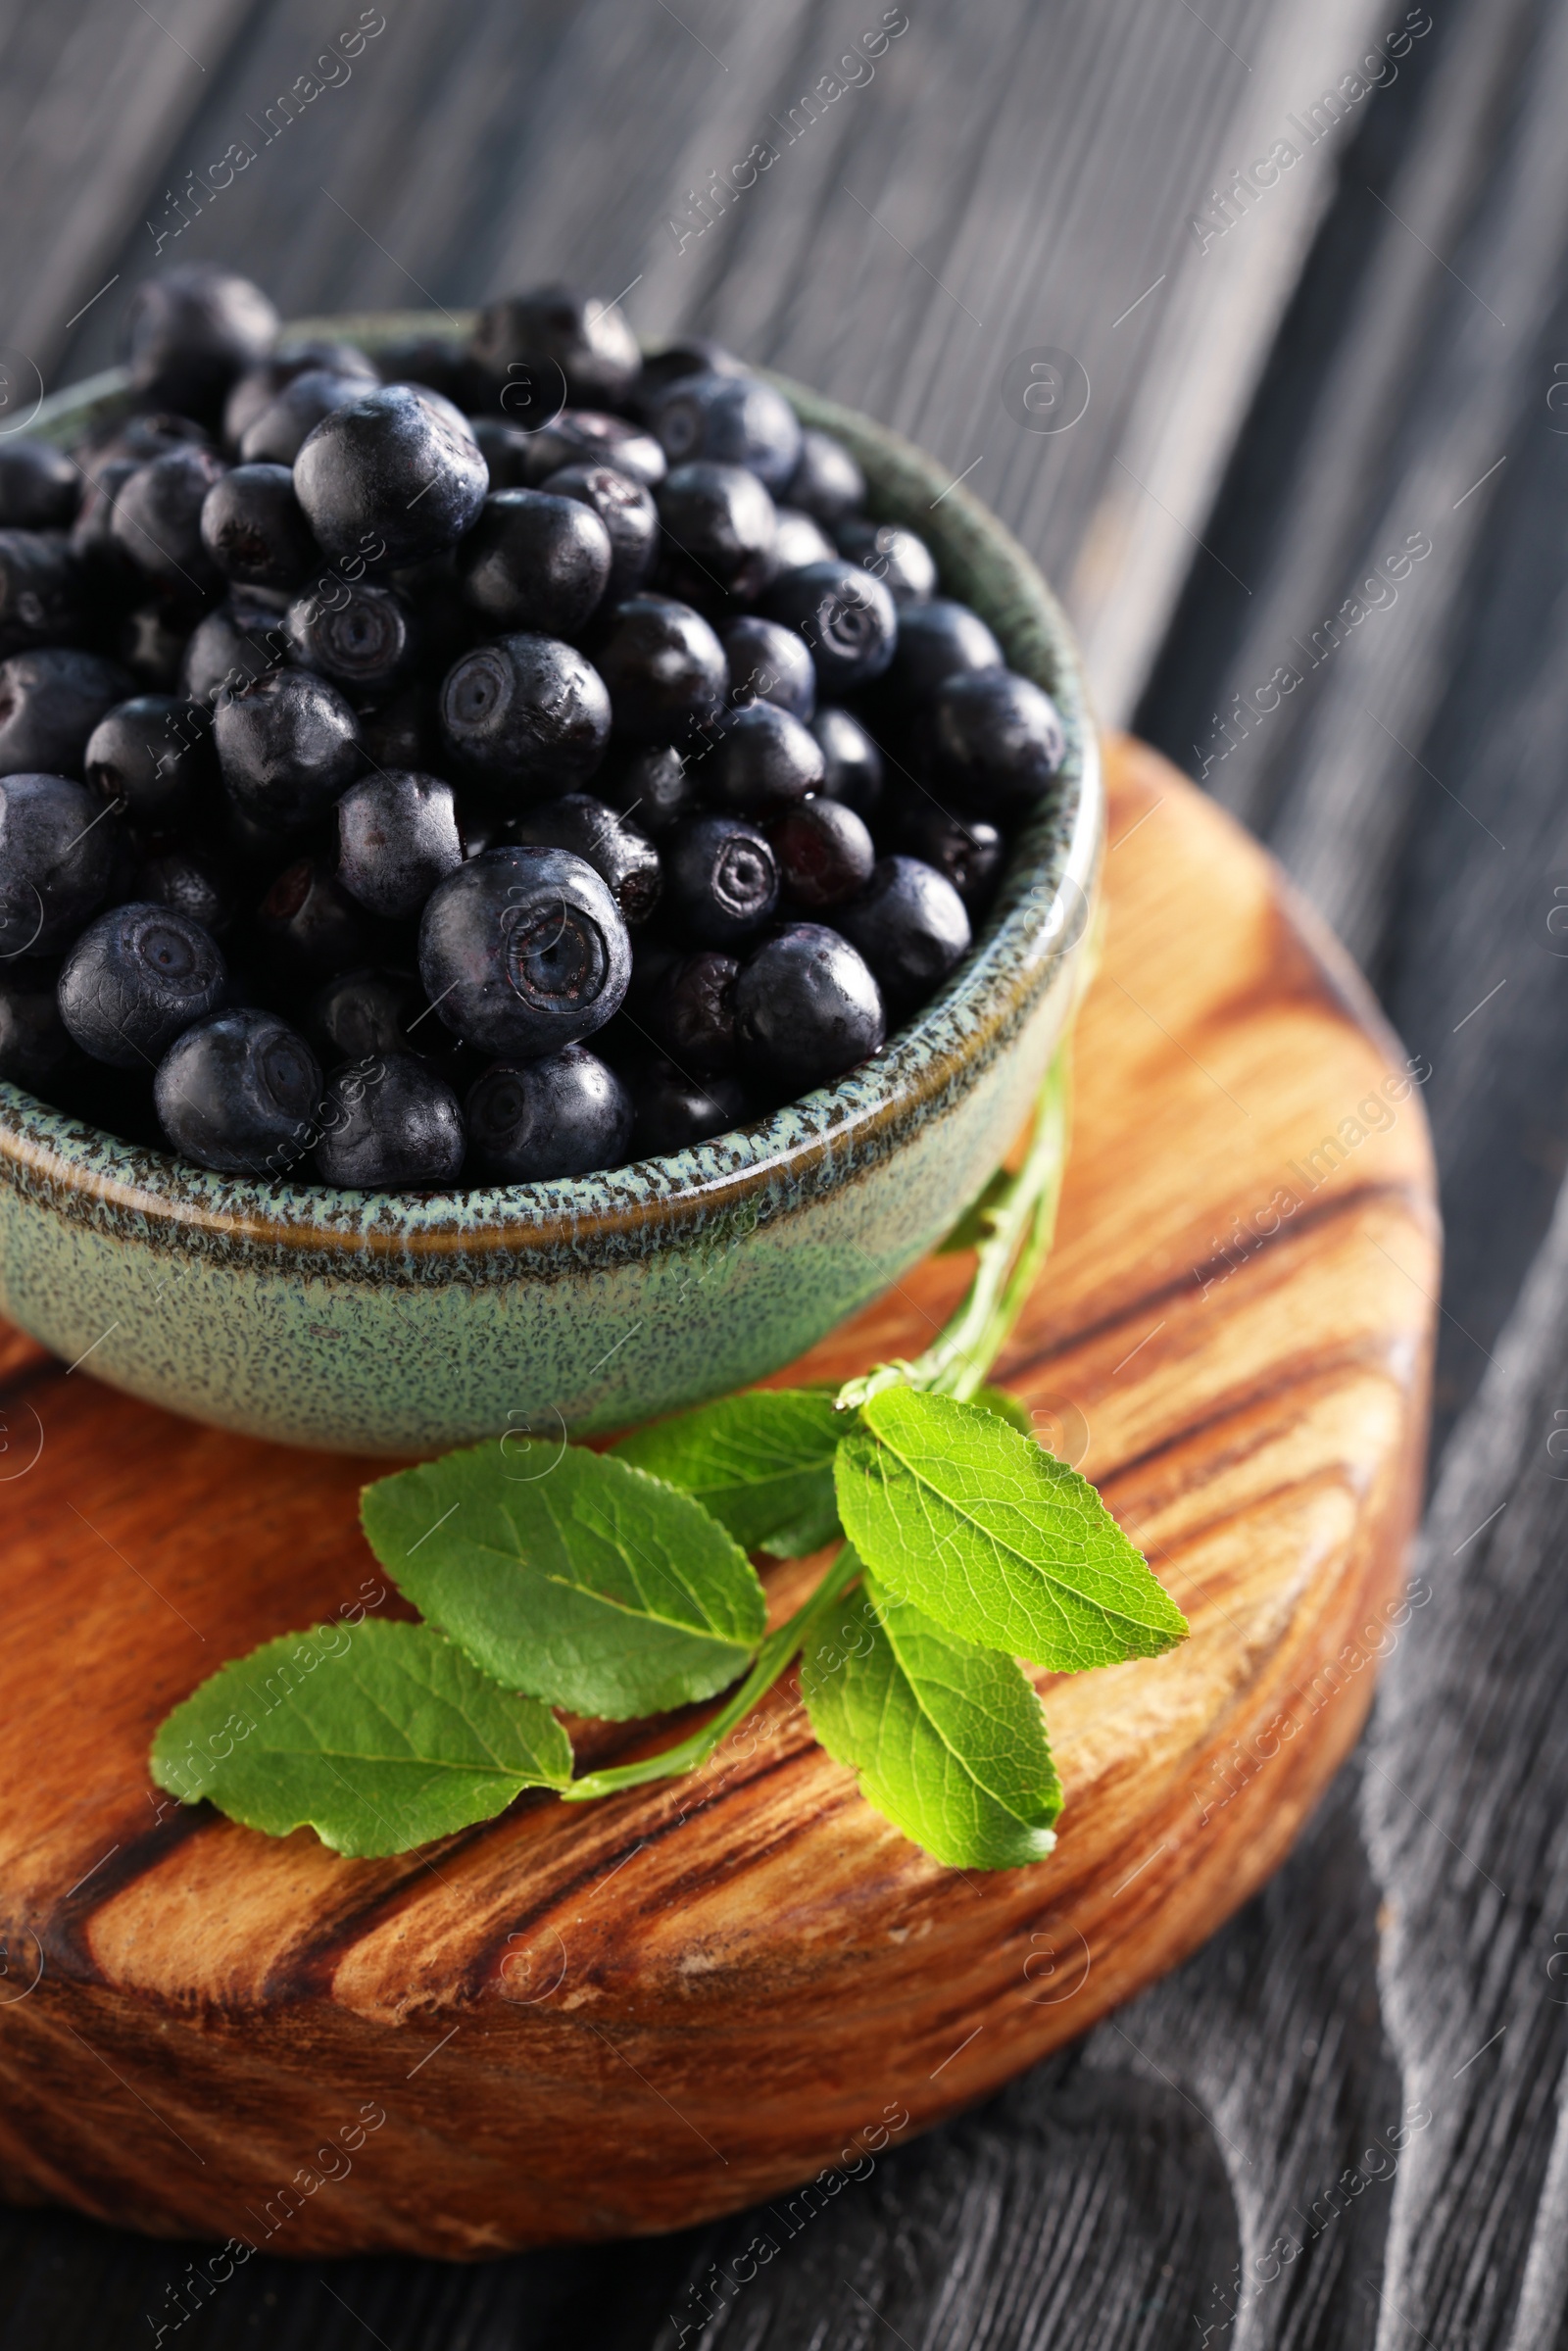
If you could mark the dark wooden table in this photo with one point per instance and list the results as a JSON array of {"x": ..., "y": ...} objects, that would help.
[{"x": 1307, "y": 498}]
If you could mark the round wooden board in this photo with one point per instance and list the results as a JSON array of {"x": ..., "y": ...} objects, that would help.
[{"x": 580, "y": 2022}]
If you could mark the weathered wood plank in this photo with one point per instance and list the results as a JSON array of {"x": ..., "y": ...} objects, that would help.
[
  {"x": 1077, "y": 2209},
  {"x": 93, "y": 103},
  {"x": 1413, "y": 780},
  {"x": 1466, "y": 1802},
  {"x": 1015, "y": 177}
]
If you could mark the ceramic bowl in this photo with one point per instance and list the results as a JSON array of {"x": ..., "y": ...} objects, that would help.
[{"x": 385, "y": 1323}]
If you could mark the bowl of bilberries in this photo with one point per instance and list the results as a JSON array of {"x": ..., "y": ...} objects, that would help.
[{"x": 537, "y": 875}]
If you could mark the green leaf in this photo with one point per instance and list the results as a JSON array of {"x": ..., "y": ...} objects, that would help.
[
  {"x": 379, "y": 1738},
  {"x": 949, "y": 1740},
  {"x": 996, "y": 1539},
  {"x": 762, "y": 1462},
  {"x": 591, "y": 1584}
]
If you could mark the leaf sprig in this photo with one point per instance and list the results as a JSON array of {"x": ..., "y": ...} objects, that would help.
[{"x": 618, "y": 1585}]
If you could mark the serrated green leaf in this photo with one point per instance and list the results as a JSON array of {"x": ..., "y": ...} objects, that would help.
[
  {"x": 762, "y": 1462},
  {"x": 994, "y": 1538},
  {"x": 591, "y": 1584},
  {"x": 949, "y": 1740},
  {"x": 379, "y": 1738}
]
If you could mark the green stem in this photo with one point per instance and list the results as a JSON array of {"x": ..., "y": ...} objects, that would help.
[
  {"x": 771, "y": 1659},
  {"x": 1017, "y": 1228},
  {"x": 1044, "y": 1170}
]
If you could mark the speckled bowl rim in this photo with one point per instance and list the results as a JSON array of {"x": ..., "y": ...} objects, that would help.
[{"x": 828, "y": 1136}]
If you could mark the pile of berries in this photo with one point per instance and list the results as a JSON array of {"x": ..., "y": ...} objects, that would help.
[{"x": 491, "y": 764}]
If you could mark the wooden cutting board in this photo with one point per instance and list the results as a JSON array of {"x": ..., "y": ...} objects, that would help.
[{"x": 580, "y": 2022}]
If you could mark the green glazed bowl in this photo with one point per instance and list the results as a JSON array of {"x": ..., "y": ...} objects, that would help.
[{"x": 391, "y": 1323}]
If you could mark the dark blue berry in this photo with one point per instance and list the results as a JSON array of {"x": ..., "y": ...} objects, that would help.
[
  {"x": 650, "y": 784},
  {"x": 397, "y": 835},
  {"x": 565, "y": 1115},
  {"x": 35, "y": 1046},
  {"x": 721, "y": 879},
  {"x": 763, "y": 761},
  {"x": 800, "y": 540},
  {"x": 253, "y": 392},
  {"x": 693, "y": 355},
  {"x": 44, "y": 589},
  {"x": 194, "y": 882},
  {"x": 507, "y": 452},
  {"x": 966, "y": 849},
  {"x": 674, "y": 1111},
  {"x": 937, "y": 641},
  {"x": 277, "y": 436},
  {"x": 41, "y": 489},
  {"x": 238, "y": 1092},
  {"x": 92, "y": 534},
  {"x": 231, "y": 647},
  {"x": 433, "y": 595},
  {"x": 50, "y": 702},
  {"x": 664, "y": 667},
  {"x": 190, "y": 330},
  {"x": 157, "y": 523},
  {"x": 534, "y": 561},
  {"x": 911, "y": 927},
  {"x": 481, "y": 825},
  {"x": 524, "y": 950},
  {"x": 807, "y": 1008},
  {"x": 901, "y": 562},
  {"x": 307, "y": 925},
  {"x": 588, "y": 437},
  {"x": 431, "y": 361},
  {"x": 399, "y": 732},
  {"x": 397, "y": 471},
  {"x": 287, "y": 746},
  {"x": 253, "y": 846},
  {"x": 827, "y": 480},
  {"x": 357, "y": 1014},
  {"x": 825, "y": 855},
  {"x": 999, "y": 736},
  {"x": 388, "y": 1123},
  {"x": 552, "y": 342},
  {"x": 254, "y": 528},
  {"x": 729, "y": 420},
  {"x": 152, "y": 757},
  {"x": 363, "y": 637},
  {"x": 652, "y": 960},
  {"x": 135, "y": 978},
  {"x": 152, "y": 640},
  {"x": 628, "y": 513},
  {"x": 852, "y": 762},
  {"x": 768, "y": 663},
  {"x": 720, "y": 523},
  {"x": 620, "y": 853},
  {"x": 689, "y": 1010},
  {"x": 139, "y": 438},
  {"x": 526, "y": 714},
  {"x": 848, "y": 619},
  {"x": 57, "y": 860}
]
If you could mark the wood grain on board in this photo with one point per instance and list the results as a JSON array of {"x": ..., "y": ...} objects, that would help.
[
  {"x": 581, "y": 2024},
  {"x": 692, "y": 1996}
]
